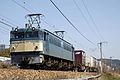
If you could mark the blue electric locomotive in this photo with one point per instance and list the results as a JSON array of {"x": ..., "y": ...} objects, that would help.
[{"x": 36, "y": 47}]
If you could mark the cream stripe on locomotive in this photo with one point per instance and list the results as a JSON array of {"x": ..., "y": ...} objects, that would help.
[{"x": 26, "y": 45}]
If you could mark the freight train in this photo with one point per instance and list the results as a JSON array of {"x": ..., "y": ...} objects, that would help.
[{"x": 37, "y": 48}]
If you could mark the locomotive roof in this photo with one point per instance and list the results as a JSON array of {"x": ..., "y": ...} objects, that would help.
[
  {"x": 25, "y": 29},
  {"x": 79, "y": 51},
  {"x": 44, "y": 30},
  {"x": 56, "y": 36}
]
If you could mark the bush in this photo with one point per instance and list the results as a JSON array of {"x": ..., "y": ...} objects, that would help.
[{"x": 4, "y": 65}]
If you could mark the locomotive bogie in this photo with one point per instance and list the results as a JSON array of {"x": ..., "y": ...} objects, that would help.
[{"x": 25, "y": 58}]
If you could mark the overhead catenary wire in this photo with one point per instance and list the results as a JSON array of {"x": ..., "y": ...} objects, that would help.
[
  {"x": 28, "y": 10},
  {"x": 8, "y": 21},
  {"x": 91, "y": 17},
  {"x": 3, "y": 29},
  {"x": 6, "y": 29},
  {"x": 71, "y": 23},
  {"x": 77, "y": 43},
  {"x": 22, "y": 6},
  {"x": 6, "y": 24},
  {"x": 67, "y": 35},
  {"x": 86, "y": 20},
  {"x": 29, "y": 7},
  {"x": 24, "y": 9},
  {"x": 41, "y": 19}
]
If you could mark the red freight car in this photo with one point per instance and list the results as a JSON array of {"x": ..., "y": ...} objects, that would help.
[{"x": 80, "y": 60}]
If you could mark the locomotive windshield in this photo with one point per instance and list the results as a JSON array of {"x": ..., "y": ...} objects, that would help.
[
  {"x": 31, "y": 34},
  {"x": 18, "y": 35},
  {"x": 23, "y": 34}
]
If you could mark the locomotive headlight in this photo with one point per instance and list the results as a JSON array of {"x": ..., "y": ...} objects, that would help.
[
  {"x": 16, "y": 29},
  {"x": 13, "y": 48},
  {"x": 36, "y": 47},
  {"x": 33, "y": 28}
]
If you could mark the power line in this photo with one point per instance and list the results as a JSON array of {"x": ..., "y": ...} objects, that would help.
[
  {"x": 21, "y": 6},
  {"x": 6, "y": 24},
  {"x": 79, "y": 9},
  {"x": 49, "y": 24},
  {"x": 8, "y": 20},
  {"x": 5, "y": 29},
  {"x": 35, "y": 11},
  {"x": 77, "y": 43},
  {"x": 67, "y": 36},
  {"x": 29, "y": 7},
  {"x": 92, "y": 19},
  {"x": 28, "y": 10},
  {"x": 71, "y": 23}
]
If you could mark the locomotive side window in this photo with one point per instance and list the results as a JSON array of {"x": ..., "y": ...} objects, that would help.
[
  {"x": 67, "y": 46},
  {"x": 45, "y": 36},
  {"x": 55, "y": 41},
  {"x": 41, "y": 35}
]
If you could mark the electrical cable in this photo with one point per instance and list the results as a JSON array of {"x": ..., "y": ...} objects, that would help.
[
  {"x": 21, "y": 6},
  {"x": 92, "y": 19},
  {"x": 79, "y": 9},
  {"x": 6, "y": 24},
  {"x": 41, "y": 19},
  {"x": 9, "y": 20},
  {"x": 4, "y": 29},
  {"x": 71, "y": 23}
]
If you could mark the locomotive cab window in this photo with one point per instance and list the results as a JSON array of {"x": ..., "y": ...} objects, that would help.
[
  {"x": 33, "y": 34},
  {"x": 17, "y": 35}
]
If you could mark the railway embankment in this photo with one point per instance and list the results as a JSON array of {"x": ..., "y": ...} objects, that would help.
[{"x": 22, "y": 74}]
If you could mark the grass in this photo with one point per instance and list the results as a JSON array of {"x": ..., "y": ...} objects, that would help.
[{"x": 110, "y": 76}]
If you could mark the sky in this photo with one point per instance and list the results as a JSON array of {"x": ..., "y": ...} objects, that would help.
[{"x": 97, "y": 20}]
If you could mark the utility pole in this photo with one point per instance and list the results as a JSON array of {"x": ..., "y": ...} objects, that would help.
[
  {"x": 111, "y": 62},
  {"x": 101, "y": 54}
]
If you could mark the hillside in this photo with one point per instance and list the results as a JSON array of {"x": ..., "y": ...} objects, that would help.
[
  {"x": 5, "y": 53},
  {"x": 114, "y": 63}
]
